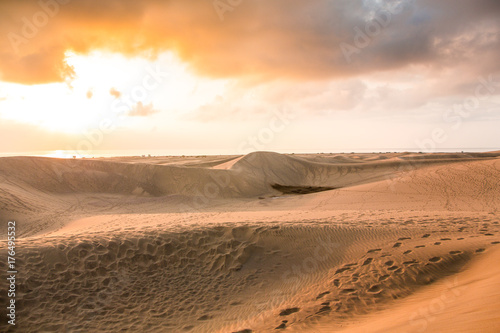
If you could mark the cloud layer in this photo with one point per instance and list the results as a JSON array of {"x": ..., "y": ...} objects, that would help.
[{"x": 291, "y": 39}]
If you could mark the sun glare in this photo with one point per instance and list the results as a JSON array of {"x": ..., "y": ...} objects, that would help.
[
  {"x": 60, "y": 154},
  {"x": 99, "y": 80}
]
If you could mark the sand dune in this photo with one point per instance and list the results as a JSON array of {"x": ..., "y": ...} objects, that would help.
[
  {"x": 465, "y": 302},
  {"x": 255, "y": 243}
]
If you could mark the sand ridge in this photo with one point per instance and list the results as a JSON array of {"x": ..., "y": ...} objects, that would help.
[{"x": 34, "y": 188}]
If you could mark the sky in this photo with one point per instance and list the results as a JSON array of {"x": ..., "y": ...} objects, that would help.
[{"x": 235, "y": 76}]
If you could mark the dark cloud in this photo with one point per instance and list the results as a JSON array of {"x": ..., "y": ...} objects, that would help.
[{"x": 282, "y": 38}]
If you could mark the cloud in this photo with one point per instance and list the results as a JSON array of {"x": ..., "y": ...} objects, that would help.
[
  {"x": 284, "y": 38},
  {"x": 89, "y": 94},
  {"x": 115, "y": 93},
  {"x": 140, "y": 110}
]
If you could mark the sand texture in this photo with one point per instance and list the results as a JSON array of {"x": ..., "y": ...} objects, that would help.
[{"x": 395, "y": 242}]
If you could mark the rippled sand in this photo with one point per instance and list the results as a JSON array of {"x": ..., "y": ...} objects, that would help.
[{"x": 258, "y": 243}]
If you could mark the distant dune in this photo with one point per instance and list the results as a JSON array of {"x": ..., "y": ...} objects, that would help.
[{"x": 396, "y": 242}]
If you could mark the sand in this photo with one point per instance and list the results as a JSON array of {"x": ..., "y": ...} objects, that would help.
[{"x": 394, "y": 242}]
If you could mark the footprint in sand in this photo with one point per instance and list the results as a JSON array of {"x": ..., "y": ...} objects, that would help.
[
  {"x": 389, "y": 263},
  {"x": 289, "y": 311},
  {"x": 419, "y": 246},
  {"x": 322, "y": 294},
  {"x": 455, "y": 252},
  {"x": 410, "y": 262},
  {"x": 445, "y": 239},
  {"x": 397, "y": 244},
  {"x": 480, "y": 250},
  {"x": 336, "y": 282},
  {"x": 437, "y": 243},
  {"x": 435, "y": 259},
  {"x": 407, "y": 252},
  {"x": 324, "y": 309},
  {"x": 348, "y": 291},
  {"x": 282, "y": 325},
  {"x": 374, "y": 250},
  {"x": 341, "y": 270},
  {"x": 494, "y": 243},
  {"x": 383, "y": 278},
  {"x": 367, "y": 261},
  {"x": 392, "y": 268},
  {"x": 403, "y": 238},
  {"x": 375, "y": 289},
  {"x": 426, "y": 235}
]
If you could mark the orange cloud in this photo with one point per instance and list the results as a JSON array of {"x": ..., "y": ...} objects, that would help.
[
  {"x": 115, "y": 93},
  {"x": 282, "y": 38},
  {"x": 140, "y": 110}
]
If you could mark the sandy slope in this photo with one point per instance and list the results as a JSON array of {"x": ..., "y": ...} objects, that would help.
[
  {"x": 207, "y": 244},
  {"x": 445, "y": 306}
]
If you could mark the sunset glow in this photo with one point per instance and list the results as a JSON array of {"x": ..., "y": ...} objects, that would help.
[
  {"x": 213, "y": 166},
  {"x": 360, "y": 73},
  {"x": 107, "y": 85}
]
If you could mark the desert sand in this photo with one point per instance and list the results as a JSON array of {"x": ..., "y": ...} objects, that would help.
[{"x": 389, "y": 242}]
